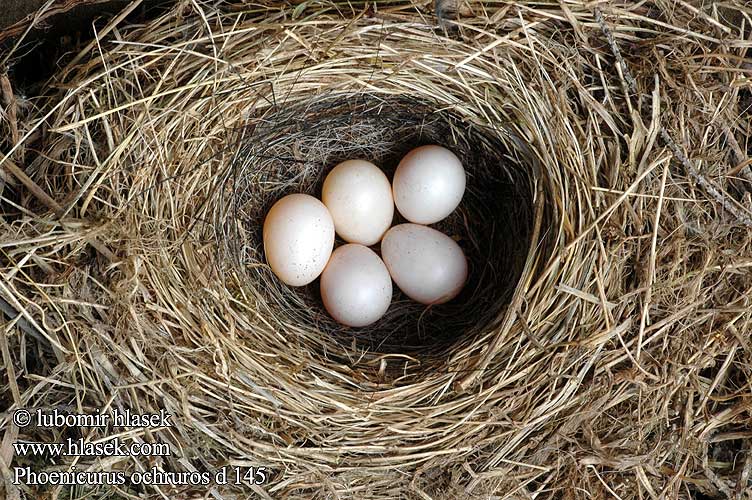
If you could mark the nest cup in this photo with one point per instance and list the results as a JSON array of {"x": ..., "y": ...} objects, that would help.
[{"x": 290, "y": 149}]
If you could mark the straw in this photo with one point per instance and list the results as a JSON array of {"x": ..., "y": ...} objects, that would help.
[{"x": 600, "y": 349}]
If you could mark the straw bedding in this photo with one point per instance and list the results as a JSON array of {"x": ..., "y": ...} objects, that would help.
[{"x": 601, "y": 348}]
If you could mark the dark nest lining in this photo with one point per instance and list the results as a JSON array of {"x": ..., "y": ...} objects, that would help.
[{"x": 292, "y": 148}]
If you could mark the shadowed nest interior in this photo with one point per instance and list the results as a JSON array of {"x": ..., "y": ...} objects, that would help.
[
  {"x": 601, "y": 348},
  {"x": 290, "y": 149}
]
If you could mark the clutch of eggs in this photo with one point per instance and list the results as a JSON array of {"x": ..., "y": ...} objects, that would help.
[{"x": 358, "y": 204}]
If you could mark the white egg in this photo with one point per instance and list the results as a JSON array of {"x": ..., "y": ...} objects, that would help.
[
  {"x": 359, "y": 197},
  {"x": 355, "y": 286},
  {"x": 428, "y": 184},
  {"x": 298, "y": 238},
  {"x": 427, "y": 265}
]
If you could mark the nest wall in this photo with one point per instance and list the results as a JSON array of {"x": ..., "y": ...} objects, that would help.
[{"x": 602, "y": 347}]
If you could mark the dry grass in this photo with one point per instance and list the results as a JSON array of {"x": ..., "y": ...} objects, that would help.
[{"x": 603, "y": 349}]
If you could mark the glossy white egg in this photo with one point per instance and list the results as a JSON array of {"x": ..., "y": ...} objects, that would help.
[
  {"x": 427, "y": 265},
  {"x": 428, "y": 184},
  {"x": 359, "y": 197},
  {"x": 298, "y": 238},
  {"x": 355, "y": 286}
]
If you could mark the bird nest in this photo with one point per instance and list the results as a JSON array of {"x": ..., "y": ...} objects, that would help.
[{"x": 600, "y": 345}]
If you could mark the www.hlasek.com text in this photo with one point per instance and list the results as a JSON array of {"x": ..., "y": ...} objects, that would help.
[{"x": 112, "y": 447}]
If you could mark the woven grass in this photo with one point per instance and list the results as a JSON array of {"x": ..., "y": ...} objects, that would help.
[{"x": 601, "y": 349}]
